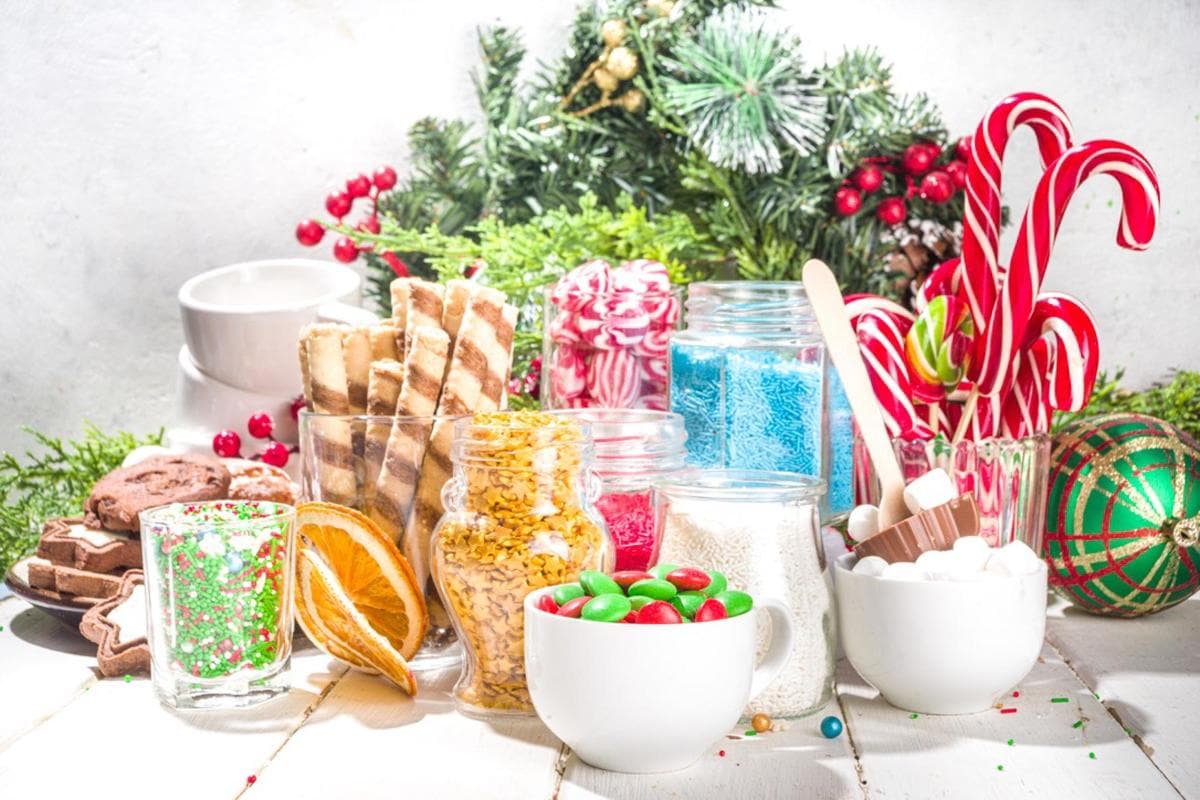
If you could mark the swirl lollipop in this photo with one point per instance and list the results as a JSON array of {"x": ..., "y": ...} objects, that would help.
[{"x": 938, "y": 347}]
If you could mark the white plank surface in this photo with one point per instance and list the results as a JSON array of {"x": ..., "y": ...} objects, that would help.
[{"x": 1147, "y": 673}]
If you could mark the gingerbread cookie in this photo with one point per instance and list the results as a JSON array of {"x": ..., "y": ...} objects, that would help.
[
  {"x": 46, "y": 576},
  {"x": 20, "y": 571},
  {"x": 122, "y": 494},
  {"x": 69, "y": 543},
  {"x": 118, "y": 626},
  {"x": 253, "y": 480}
]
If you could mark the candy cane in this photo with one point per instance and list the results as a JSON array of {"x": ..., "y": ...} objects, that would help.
[
  {"x": 997, "y": 346},
  {"x": 979, "y": 274},
  {"x": 881, "y": 341},
  {"x": 1067, "y": 322}
]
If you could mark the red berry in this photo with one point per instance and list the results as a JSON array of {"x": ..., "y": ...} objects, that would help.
[
  {"x": 658, "y": 613},
  {"x": 358, "y": 186},
  {"x": 869, "y": 178},
  {"x": 689, "y": 579},
  {"x": 937, "y": 187},
  {"x": 398, "y": 266},
  {"x": 957, "y": 170},
  {"x": 338, "y": 204},
  {"x": 227, "y": 444},
  {"x": 963, "y": 148},
  {"x": 917, "y": 159},
  {"x": 934, "y": 149},
  {"x": 628, "y": 577},
  {"x": 892, "y": 210},
  {"x": 710, "y": 610},
  {"x": 369, "y": 225},
  {"x": 309, "y": 232},
  {"x": 298, "y": 405},
  {"x": 574, "y": 607},
  {"x": 847, "y": 201},
  {"x": 546, "y": 603},
  {"x": 385, "y": 178},
  {"x": 276, "y": 454},
  {"x": 345, "y": 250},
  {"x": 260, "y": 425}
]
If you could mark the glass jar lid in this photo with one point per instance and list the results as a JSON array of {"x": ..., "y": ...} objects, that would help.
[
  {"x": 632, "y": 442},
  {"x": 741, "y": 485},
  {"x": 760, "y": 309}
]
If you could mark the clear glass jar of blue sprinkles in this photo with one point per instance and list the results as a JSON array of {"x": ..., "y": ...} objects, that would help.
[{"x": 750, "y": 377}]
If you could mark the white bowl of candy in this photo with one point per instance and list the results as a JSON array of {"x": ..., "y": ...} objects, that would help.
[{"x": 952, "y": 632}]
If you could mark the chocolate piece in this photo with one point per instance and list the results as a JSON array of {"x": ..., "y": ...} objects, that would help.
[
  {"x": 20, "y": 573},
  {"x": 118, "y": 626},
  {"x": 253, "y": 480},
  {"x": 933, "y": 529},
  {"x": 122, "y": 494},
  {"x": 68, "y": 542},
  {"x": 47, "y": 576}
]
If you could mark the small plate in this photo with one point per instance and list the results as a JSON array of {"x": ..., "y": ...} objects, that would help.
[{"x": 17, "y": 581}]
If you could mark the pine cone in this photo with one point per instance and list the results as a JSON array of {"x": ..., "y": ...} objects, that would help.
[{"x": 917, "y": 247}]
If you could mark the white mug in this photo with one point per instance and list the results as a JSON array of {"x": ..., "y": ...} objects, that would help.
[
  {"x": 241, "y": 321},
  {"x": 647, "y": 698}
]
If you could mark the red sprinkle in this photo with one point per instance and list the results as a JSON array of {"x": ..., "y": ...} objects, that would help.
[
  {"x": 1008, "y": 711},
  {"x": 631, "y": 524},
  {"x": 250, "y": 779},
  {"x": 1016, "y": 694},
  {"x": 721, "y": 753}
]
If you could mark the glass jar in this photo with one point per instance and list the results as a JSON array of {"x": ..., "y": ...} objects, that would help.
[
  {"x": 519, "y": 516},
  {"x": 750, "y": 377},
  {"x": 632, "y": 449},
  {"x": 608, "y": 349},
  {"x": 762, "y": 530}
]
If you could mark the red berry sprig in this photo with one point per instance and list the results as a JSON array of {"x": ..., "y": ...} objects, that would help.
[
  {"x": 227, "y": 443},
  {"x": 339, "y": 204},
  {"x": 917, "y": 173}
]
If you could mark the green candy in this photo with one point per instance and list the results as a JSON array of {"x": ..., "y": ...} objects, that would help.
[
  {"x": 661, "y": 570},
  {"x": 717, "y": 584},
  {"x": 607, "y": 608},
  {"x": 736, "y": 603},
  {"x": 686, "y": 603},
  {"x": 597, "y": 583},
  {"x": 568, "y": 592},
  {"x": 655, "y": 588},
  {"x": 638, "y": 601}
]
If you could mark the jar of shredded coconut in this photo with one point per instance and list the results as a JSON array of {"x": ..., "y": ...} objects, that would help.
[{"x": 761, "y": 530}]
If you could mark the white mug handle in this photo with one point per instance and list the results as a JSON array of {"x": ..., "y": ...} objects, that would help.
[
  {"x": 345, "y": 314},
  {"x": 780, "y": 648}
]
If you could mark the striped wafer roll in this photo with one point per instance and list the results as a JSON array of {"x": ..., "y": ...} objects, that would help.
[
  {"x": 334, "y": 454},
  {"x": 458, "y": 292},
  {"x": 399, "y": 290},
  {"x": 383, "y": 389},
  {"x": 305, "y": 377},
  {"x": 356, "y": 350},
  {"x": 474, "y": 382},
  {"x": 424, "y": 308},
  {"x": 405, "y": 449},
  {"x": 384, "y": 341}
]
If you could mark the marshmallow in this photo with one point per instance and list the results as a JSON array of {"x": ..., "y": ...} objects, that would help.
[
  {"x": 932, "y": 489},
  {"x": 997, "y": 565},
  {"x": 971, "y": 553},
  {"x": 903, "y": 571},
  {"x": 936, "y": 563},
  {"x": 873, "y": 566},
  {"x": 1017, "y": 558},
  {"x": 863, "y": 523}
]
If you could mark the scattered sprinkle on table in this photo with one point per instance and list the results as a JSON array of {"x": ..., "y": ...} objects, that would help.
[
  {"x": 127, "y": 678},
  {"x": 1008, "y": 711},
  {"x": 1016, "y": 694},
  {"x": 751, "y": 732},
  {"x": 1078, "y": 724},
  {"x": 1092, "y": 755},
  {"x": 721, "y": 753},
  {"x": 1060, "y": 699},
  {"x": 1010, "y": 742},
  {"x": 1000, "y": 768},
  {"x": 250, "y": 779},
  {"x": 1095, "y": 695}
]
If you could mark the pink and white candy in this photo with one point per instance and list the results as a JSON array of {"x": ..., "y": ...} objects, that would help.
[
  {"x": 613, "y": 378},
  {"x": 568, "y": 372}
]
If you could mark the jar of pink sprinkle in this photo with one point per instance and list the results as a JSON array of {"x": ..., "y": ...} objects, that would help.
[{"x": 633, "y": 448}]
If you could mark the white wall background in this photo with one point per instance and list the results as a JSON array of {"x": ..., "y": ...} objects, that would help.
[{"x": 146, "y": 142}]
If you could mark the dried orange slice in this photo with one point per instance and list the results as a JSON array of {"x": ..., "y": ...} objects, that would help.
[
  {"x": 331, "y": 620},
  {"x": 370, "y": 569}
]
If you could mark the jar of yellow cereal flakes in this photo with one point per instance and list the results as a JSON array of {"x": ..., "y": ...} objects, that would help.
[{"x": 519, "y": 516}]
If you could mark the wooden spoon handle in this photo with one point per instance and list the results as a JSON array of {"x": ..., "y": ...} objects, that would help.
[{"x": 842, "y": 346}]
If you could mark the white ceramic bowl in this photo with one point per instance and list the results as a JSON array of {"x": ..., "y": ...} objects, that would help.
[
  {"x": 941, "y": 647},
  {"x": 647, "y": 698},
  {"x": 240, "y": 322}
]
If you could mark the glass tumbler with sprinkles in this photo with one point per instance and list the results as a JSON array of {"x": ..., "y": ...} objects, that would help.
[
  {"x": 633, "y": 448},
  {"x": 519, "y": 517},
  {"x": 750, "y": 377},
  {"x": 219, "y": 580}
]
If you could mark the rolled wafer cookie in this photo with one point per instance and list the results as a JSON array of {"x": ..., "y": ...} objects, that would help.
[
  {"x": 384, "y": 341},
  {"x": 474, "y": 382},
  {"x": 399, "y": 291},
  {"x": 397, "y": 481},
  {"x": 356, "y": 350},
  {"x": 305, "y": 376},
  {"x": 458, "y": 292},
  {"x": 331, "y": 440},
  {"x": 424, "y": 308},
  {"x": 383, "y": 389}
]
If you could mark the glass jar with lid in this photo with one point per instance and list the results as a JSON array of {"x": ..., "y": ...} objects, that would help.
[
  {"x": 750, "y": 377},
  {"x": 519, "y": 516}
]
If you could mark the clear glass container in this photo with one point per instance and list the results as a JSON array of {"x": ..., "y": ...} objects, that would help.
[
  {"x": 762, "y": 530},
  {"x": 608, "y": 349},
  {"x": 632, "y": 449},
  {"x": 392, "y": 469},
  {"x": 219, "y": 584},
  {"x": 750, "y": 377},
  {"x": 519, "y": 516},
  {"x": 1007, "y": 476}
]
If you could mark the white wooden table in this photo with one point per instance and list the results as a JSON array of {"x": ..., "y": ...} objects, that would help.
[{"x": 1130, "y": 730}]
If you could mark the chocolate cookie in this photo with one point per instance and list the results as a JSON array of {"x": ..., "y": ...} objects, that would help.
[
  {"x": 47, "y": 577},
  {"x": 118, "y": 626},
  {"x": 253, "y": 480},
  {"x": 68, "y": 542},
  {"x": 122, "y": 494}
]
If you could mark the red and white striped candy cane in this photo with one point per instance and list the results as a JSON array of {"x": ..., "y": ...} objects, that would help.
[
  {"x": 978, "y": 277},
  {"x": 880, "y": 326},
  {"x": 996, "y": 348},
  {"x": 1026, "y": 408},
  {"x": 1067, "y": 322}
]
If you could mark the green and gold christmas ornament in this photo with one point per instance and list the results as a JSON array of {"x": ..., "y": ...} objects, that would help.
[{"x": 1123, "y": 515}]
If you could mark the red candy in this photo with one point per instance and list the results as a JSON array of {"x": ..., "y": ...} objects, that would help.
[
  {"x": 628, "y": 577},
  {"x": 658, "y": 613},
  {"x": 711, "y": 610},
  {"x": 574, "y": 608},
  {"x": 546, "y": 603},
  {"x": 631, "y": 617},
  {"x": 689, "y": 579},
  {"x": 613, "y": 378},
  {"x": 569, "y": 372}
]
